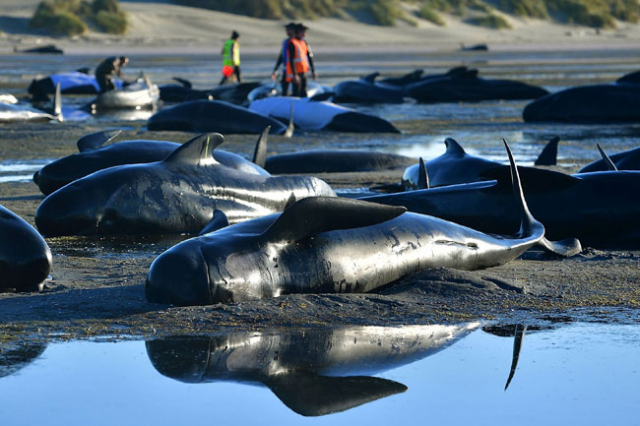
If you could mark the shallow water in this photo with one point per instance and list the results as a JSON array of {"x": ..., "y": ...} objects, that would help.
[
  {"x": 20, "y": 170},
  {"x": 560, "y": 379}
]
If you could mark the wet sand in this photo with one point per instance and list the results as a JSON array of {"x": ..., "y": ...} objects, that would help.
[{"x": 97, "y": 284}]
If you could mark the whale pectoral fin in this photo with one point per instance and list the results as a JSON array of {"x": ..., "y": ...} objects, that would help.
[
  {"x": 423, "y": 176},
  {"x": 260, "y": 153},
  {"x": 565, "y": 248},
  {"x": 96, "y": 140},
  {"x": 607, "y": 161},
  {"x": 197, "y": 151},
  {"x": 185, "y": 83},
  {"x": 309, "y": 394},
  {"x": 534, "y": 180},
  {"x": 549, "y": 154},
  {"x": 291, "y": 127},
  {"x": 454, "y": 148},
  {"x": 218, "y": 221},
  {"x": 314, "y": 215},
  {"x": 57, "y": 103}
]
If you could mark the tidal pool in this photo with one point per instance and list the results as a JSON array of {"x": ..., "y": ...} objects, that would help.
[{"x": 581, "y": 373}]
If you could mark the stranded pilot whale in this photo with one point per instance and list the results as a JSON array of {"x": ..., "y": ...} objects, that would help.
[
  {"x": 594, "y": 207},
  {"x": 93, "y": 156},
  {"x": 330, "y": 245},
  {"x": 313, "y": 371},
  {"x": 212, "y": 116},
  {"x": 175, "y": 195},
  {"x": 25, "y": 258}
]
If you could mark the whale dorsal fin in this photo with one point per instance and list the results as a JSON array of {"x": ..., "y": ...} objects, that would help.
[
  {"x": 607, "y": 161},
  {"x": 260, "y": 153},
  {"x": 57, "y": 103},
  {"x": 549, "y": 154},
  {"x": 197, "y": 151},
  {"x": 218, "y": 221},
  {"x": 314, "y": 215},
  {"x": 454, "y": 148},
  {"x": 423, "y": 176},
  {"x": 96, "y": 140},
  {"x": 533, "y": 180},
  {"x": 291, "y": 127},
  {"x": 183, "y": 82},
  {"x": 310, "y": 394},
  {"x": 371, "y": 78}
]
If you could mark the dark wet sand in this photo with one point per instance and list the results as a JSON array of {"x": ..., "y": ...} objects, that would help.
[{"x": 97, "y": 284}]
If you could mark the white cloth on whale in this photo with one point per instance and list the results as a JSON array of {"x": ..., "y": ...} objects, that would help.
[{"x": 307, "y": 114}]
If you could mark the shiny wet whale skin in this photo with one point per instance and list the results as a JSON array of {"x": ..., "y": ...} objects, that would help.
[
  {"x": 329, "y": 245},
  {"x": 176, "y": 195}
]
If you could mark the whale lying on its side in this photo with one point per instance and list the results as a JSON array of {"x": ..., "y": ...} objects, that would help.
[
  {"x": 93, "y": 156},
  {"x": 25, "y": 258},
  {"x": 179, "y": 194},
  {"x": 330, "y": 245},
  {"x": 594, "y": 207},
  {"x": 11, "y": 112},
  {"x": 312, "y": 371},
  {"x": 212, "y": 116},
  {"x": 317, "y": 115}
]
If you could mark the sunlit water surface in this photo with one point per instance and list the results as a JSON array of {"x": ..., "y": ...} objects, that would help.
[{"x": 583, "y": 374}]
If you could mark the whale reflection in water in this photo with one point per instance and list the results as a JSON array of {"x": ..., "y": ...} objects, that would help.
[{"x": 312, "y": 371}]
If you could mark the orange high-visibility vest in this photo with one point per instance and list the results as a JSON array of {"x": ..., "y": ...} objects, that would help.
[{"x": 300, "y": 60}]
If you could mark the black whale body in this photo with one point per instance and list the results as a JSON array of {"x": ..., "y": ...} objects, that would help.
[
  {"x": 625, "y": 160},
  {"x": 92, "y": 158},
  {"x": 25, "y": 258},
  {"x": 312, "y": 371},
  {"x": 597, "y": 208},
  {"x": 598, "y": 103},
  {"x": 334, "y": 161},
  {"x": 330, "y": 245},
  {"x": 467, "y": 87},
  {"x": 180, "y": 194},
  {"x": 212, "y": 116},
  {"x": 367, "y": 90}
]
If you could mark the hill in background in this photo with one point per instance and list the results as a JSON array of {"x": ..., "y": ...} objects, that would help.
[{"x": 486, "y": 13}]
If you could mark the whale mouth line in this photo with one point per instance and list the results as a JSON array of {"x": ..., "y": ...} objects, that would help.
[{"x": 471, "y": 245}]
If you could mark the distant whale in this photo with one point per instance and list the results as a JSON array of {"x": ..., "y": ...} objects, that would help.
[
  {"x": 330, "y": 245},
  {"x": 597, "y": 103},
  {"x": 321, "y": 115},
  {"x": 180, "y": 194},
  {"x": 314, "y": 372},
  {"x": 25, "y": 258},
  {"x": 209, "y": 116},
  {"x": 367, "y": 90},
  {"x": 468, "y": 87},
  {"x": 18, "y": 113},
  {"x": 93, "y": 156}
]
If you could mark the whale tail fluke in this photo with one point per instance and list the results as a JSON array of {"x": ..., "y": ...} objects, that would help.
[{"x": 549, "y": 154}]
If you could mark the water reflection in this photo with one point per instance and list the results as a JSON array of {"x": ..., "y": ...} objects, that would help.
[
  {"x": 313, "y": 372},
  {"x": 16, "y": 355}
]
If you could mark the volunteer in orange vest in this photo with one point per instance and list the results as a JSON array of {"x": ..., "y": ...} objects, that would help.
[
  {"x": 299, "y": 62},
  {"x": 290, "y": 28},
  {"x": 231, "y": 58}
]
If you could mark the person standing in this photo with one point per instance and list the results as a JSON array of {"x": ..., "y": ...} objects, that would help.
[
  {"x": 290, "y": 29},
  {"x": 107, "y": 70},
  {"x": 299, "y": 61},
  {"x": 231, "y": 58}
]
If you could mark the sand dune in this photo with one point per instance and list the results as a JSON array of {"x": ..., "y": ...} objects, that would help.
[{"x": 157, "y": 26}]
